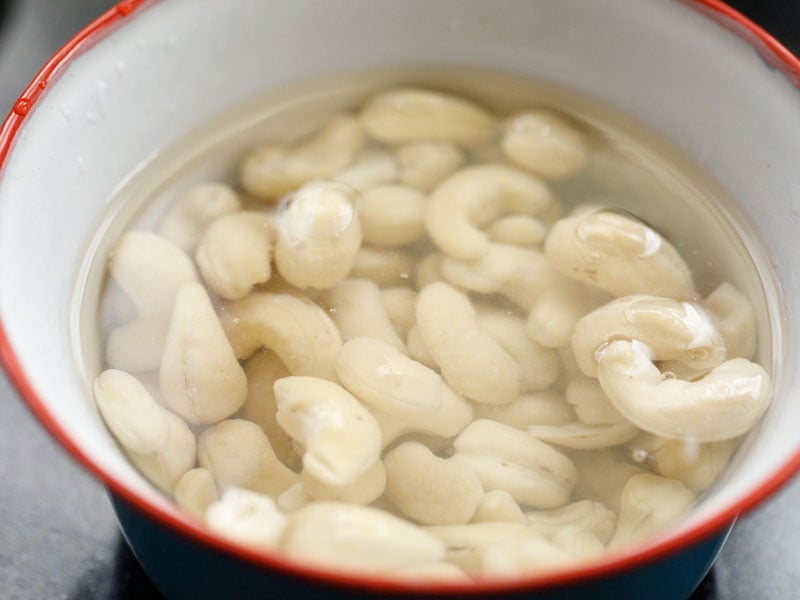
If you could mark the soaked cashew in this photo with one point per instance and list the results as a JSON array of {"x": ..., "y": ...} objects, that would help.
[
  {"x": 356, "y": 307},
  {"x": 391, "y": 215},
  {"x": 474, "y": 197},
  {"x": 724, "y": 404},
  {"x": 272, "y": 170},
  {"x": 366, "y": 488},
  {"x": 405, "y": 115},
  {"x": 389, "y": 381},
  {"x": 579, "y": 436},
  {"x": 735, "y": 319},
  {"x": 533, "y": 554},
  {"x": 263, "y": 369},
  {"x": 293, "y": 498},
  {"x": 542, "y": 408},
  {"x": 400, "y": 304},
  {"x": 341, "y": 439},
  {"x": 196, "y": 491},
  {"x": 602, "y": 474},
  {"x": 507, "y": 459},
  {"x": 498, "y": 506},
  {"x": 384, "y": 266},
  {"x": 238, "y": 454},
  {"x": 248, "y": 518},
  {"x": 590, "y": 516},
  {"x": 190, "y": 215},
  {"x": 545, "y": 144},
  {"x": 200, "y": 378},
  {"x": 318, "y": 236},
  {"x": 370, "y": 169},
  {"x": 294, "y": 328},
  {"x": 590, "y": 402},
  {"x": 417, "y": 349},
  {"x": 648, "y": 504},
  {"x": 429, "y": 489},
  {"x": 466, "y": 545},
  {"x": 670, "y": 329},
  {"x": 424, "y": 165},
  {"x": 519, "y": 230},
  {"x": 539, "y": 365},
  {"x": 364, "y": 538},
  {"x": 578, "y": 542},
  {"x": 472, "y": 362},
  {"x": 234, "y": 254},
  {"x": 618, "y": 254}
]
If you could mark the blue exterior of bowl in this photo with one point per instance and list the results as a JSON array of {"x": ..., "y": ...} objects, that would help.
[{"x": 183, "y": 569}]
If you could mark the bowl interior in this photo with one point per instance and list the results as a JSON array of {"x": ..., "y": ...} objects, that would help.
[{"x": 172, "y": 65}]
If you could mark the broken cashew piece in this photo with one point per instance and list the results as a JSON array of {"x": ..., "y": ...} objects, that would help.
[
  {"x": 392, "y": 215},
  {"x": 671, "y": 329},
  {"x": 221, "y": 450},
  {"x": 200, "y": 378},
  {"x": 340, "y": 438},
  {"x": 248, "y": 518},
  {"x": 273, "y": 170},
  {"x": 724, "y": 404},
  {"x": 405, "y": 115},
  {"x": 505, "y": 458},
  {"x": 424, "y": 165},
  {"x": 196, "y": 491},
  {"x": 476, "y": 196},
  {"x": 297, "y": 330},
  {"x": 543, "y": 143},
  {"x": 618, "y": 254},
  {"x": 363, "y": 538},
  {"x": 234, "y": 254},
  {"x": 472, "y": 361},
  {"x": 318, "y": 235},
  {"x": 429, "y": 489},
  {"x": 195, "y": 209}
]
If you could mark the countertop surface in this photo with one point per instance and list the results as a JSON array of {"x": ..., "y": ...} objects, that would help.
[{"x": 58, "y": 535}]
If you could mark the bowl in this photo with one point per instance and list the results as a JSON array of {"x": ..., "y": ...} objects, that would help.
[{"x": 148, "y": 73}]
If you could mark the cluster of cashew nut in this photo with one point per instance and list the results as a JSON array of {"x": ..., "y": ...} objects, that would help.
[{"x": 407, "y": 362}]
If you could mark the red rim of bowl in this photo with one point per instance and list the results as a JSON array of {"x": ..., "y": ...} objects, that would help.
[{"x": 776, "y": 55}]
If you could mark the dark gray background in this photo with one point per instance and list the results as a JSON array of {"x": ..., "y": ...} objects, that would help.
[{"x": 58, "y": 536}]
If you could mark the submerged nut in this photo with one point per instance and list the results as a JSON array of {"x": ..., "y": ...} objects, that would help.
[
  {"x": 391, "y": 215},
  {"x": 196, "y": 491},
  {"x": 735, "y": 319},
  {"x": 588, "y": 515},
  {"x": 195, "y": 209},
  {"x": 366, "y": 488},
  {"x": 424, "y": 165},
  {"x": 247, "y": 517}
]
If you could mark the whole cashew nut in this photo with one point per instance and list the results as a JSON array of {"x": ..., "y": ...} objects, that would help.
[
  {"x": 195, "y": 209},
  {"x": 200, "y": 378},
  {"x": 424, "y": 165},
  {"x": 472, "y": 362},
  {"x": 341, "y": 439},
  {"x": 618, "y": 254},
  {"x": 722, "y": 405},
  {"x": 318, "y": 235},
  {"x": 671, "y": 329},
  {"x": 196, "y": 491},
  {"x": 474, "y": 197},
  {"x": 248, "y": 518},
  {"x": 405, "y": 115},
  {"x": 519, "y": 230},
  {"x": 273, "y": 170},
  {"x": 429, "y": 489}
]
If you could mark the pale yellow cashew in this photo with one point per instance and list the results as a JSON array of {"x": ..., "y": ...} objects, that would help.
[
  {"x": 403, "y": 115},
  {"x": 196, "y": 491},
  {"x": 543, "y": 143},
  {"x": 505, "y": 458},
  {"x": 340, "y": 438},
  {"x": 472, "y": 362},
  {"x": 248, "y": 518},
  {"x": 648, "y": 504},
  {"x": 579, "y": 436},
  {"x": 363, "y": 539},
  {"x": 590, "y": 516},
  {"x": 392, "y": 215},
  {"x": 293, "y": 498},
  {"x": 424, "y": 165},
  {"x": 372, "y": 168},
  {"x": 671, "y": 329},
  {"x": 366, "y": 488},
  {"x": 498, "y": 506},
  {"x": 473, "y": 198},
  {"x": 194, "y": 210},
  {"x": 297, "y": 330},
  {"x": 578, "y": 542},
  {"x": 417, "y": 350},
  {"x": 591, "y": 406},
  {"x": 238, "y": 454},
  {"x": 400, "y": 305},
  {"x": 618, "y": 254},
  {"x": 519, "y": 230},
  {"x": 429, "y": 489},
  {"x": 318, "y": 235},
  {"x": 263, "y": 369},
  {"x": 735, "y": 319},
  {"x": 385, "y": 266},
  {"x": 541, "y": 408},
  {"x": 724, "y": 404},
  {"x": 356, "y": 307},
  {"x": 272, "y": 170},
  {"x": 234, "y": 254},
  {"x": 533, "y": 554}
]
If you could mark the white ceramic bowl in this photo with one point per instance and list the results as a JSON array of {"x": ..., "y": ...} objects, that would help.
[{"x": 147, "y": 73}]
